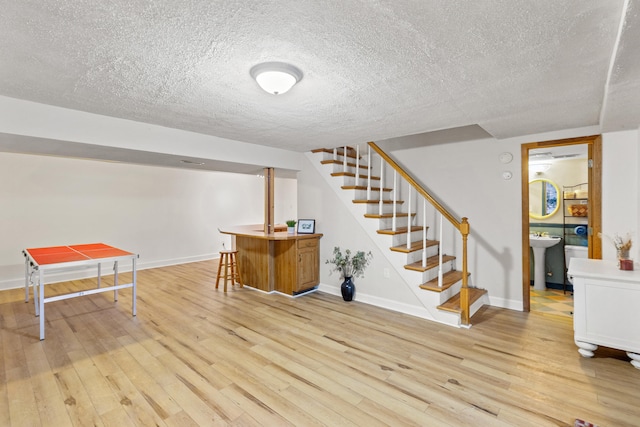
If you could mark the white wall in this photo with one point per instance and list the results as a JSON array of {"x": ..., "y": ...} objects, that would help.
[
  {"x": 621, "y": 190},
  {"x": 166, "y": 215}
]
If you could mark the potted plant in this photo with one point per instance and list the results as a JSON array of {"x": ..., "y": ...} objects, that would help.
[
  {"x": 349, "y": 265},
  {"x": 291, "y": 226}
]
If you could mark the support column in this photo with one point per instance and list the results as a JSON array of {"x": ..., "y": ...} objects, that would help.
[{"x": 269, "y": 203}]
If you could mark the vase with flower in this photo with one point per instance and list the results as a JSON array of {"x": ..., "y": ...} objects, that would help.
[
  {"x": 349, "y": 265},
  {"x": 623, "y": 246}
]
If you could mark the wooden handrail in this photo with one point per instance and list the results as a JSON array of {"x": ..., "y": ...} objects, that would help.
[
  {"x": 462, "y": 226},
  {"x": 417, "y": 186}
]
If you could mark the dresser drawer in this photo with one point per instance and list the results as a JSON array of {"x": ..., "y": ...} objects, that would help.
[{"x": 307, "y": 243}]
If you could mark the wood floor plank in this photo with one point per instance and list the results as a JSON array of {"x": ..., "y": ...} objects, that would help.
[
  {"x": 4, "y": 392},
  {"x": 79, "y": 405},
  {"x": 265, "y": 394},
  {"x": 253, "y": 407},
  {"x": 158, "y": 399},
  {"x": 195, "y": 355},
  {"x": 50, "y": 402}
]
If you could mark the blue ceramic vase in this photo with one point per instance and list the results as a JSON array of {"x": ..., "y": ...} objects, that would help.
[{"x": 348, "y": 289}]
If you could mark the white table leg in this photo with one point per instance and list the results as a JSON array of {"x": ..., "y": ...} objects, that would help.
[
  {"x": 36, "y": 292},
  {"x": 134, "y": 281},
  {"x": 41, "y": 303},
  {"x": 99, "y": 274},
  {"x": 115, "y": 280},
  {"x": 586, "y": 349},
  {"x": 26, "y": 279}
]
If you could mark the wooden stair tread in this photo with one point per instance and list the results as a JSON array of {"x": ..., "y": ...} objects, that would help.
[
  {"x": 376, "y": 178},
  {"x": 448, "y": 279},
  {"x": 386, "y": 202},
  {"x": 432, "y": 262},
  {"x": 400, "y": 230},
  {"x": 388, "y": 215},
  {"x": 363, "y": 187},
  {"x": 453, "y": 303},
  {"x": 415, "y": 246},
  {"x": 350, "y": 151},
  {"x": 338, "y": 162}
]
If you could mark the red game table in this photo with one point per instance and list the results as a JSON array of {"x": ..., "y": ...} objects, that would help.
[{"x": 39, "y": 260}]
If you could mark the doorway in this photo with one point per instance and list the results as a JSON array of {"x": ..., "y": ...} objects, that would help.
[{"x": 593, "y": 202}]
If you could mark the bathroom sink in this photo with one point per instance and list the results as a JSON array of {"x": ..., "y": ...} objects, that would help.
[
  {"x": 543, "y": 241},
  {"x": 539, "y": 244}
]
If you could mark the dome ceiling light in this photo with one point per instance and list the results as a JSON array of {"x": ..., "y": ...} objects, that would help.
[
  {"x": 539, "y": 168},
  {"x": 276, "y": 77}
]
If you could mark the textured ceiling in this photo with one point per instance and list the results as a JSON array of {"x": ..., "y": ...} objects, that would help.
[{"x": 373, "y": 70}]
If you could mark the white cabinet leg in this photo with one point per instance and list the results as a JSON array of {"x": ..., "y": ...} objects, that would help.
[
  {"x": 635, "y": 359},
  {"x": 586, "y": 349}
]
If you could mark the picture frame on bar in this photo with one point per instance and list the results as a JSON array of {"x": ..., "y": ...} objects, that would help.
[{"x": 306, "y": 226}]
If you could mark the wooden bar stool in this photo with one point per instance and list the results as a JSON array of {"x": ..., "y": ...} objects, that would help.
[{"x": 231, "y": 271}]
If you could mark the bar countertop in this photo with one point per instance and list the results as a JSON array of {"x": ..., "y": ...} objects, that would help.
[{"x": 257, "y": 231}]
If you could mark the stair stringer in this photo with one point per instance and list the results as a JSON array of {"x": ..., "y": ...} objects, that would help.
[{"x": 429, "y": 300}]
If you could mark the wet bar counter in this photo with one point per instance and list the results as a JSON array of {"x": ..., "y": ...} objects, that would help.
[{"x": 279, "y": 261}]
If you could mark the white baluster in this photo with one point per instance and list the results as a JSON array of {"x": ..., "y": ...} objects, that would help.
[
  {"x": 409, "y": 219},
  {"x": 357, "y": 163},
  {"x": 395, "y": 199},
  {"x": 440, "y": 256},
  {"x": 335, "y": 154},
  {"x": 381, "y": 181},
  {"x": 344, "y": 160},
  {"x": 424, "y": 233},
  {"x": 368, "y": 172}
]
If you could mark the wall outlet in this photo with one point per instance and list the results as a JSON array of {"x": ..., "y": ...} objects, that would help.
[{"x": 385, "y": 273}]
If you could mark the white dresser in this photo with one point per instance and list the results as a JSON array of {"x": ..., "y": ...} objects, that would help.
[{"x": 606, "y": 307}]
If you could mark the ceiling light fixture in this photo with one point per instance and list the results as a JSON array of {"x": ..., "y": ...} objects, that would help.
[
  {"x": 276, "y": 77},
  {"x": 539, "y": 168}
]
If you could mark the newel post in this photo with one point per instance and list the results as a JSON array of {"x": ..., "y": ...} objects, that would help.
[{"x": 464, "y": 291}]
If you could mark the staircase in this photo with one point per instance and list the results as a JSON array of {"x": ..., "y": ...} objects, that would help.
[{"x": 419, "y": 236}]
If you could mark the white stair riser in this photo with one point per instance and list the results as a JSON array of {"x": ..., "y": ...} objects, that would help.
[
  {"x": 374, "y": 208},
  {"x": 401, "y": 239},
  {"x": 375, "y": 195},
  {"x": 417, "y": 255},
  {"x": 431, "y": 274},
  {"x": 351, "y": 180},
  {"x": 340, "y": 158},
  {"x": 386, "y": 223},
  {"x": 477, "y": 305},
  {"x": 339, "y": 167},
  {"x": 453, "y": 290}
]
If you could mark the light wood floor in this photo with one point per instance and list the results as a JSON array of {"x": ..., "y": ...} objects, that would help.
[{"x": 195, "y": 356}]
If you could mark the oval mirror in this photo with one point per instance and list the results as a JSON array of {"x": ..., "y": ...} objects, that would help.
[{"x": 543, "y": 198}]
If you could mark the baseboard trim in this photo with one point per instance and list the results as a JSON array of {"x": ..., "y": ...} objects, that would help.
[
  {"x": 506, "y": 303},
  {"x": 412, "y": 310}
]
